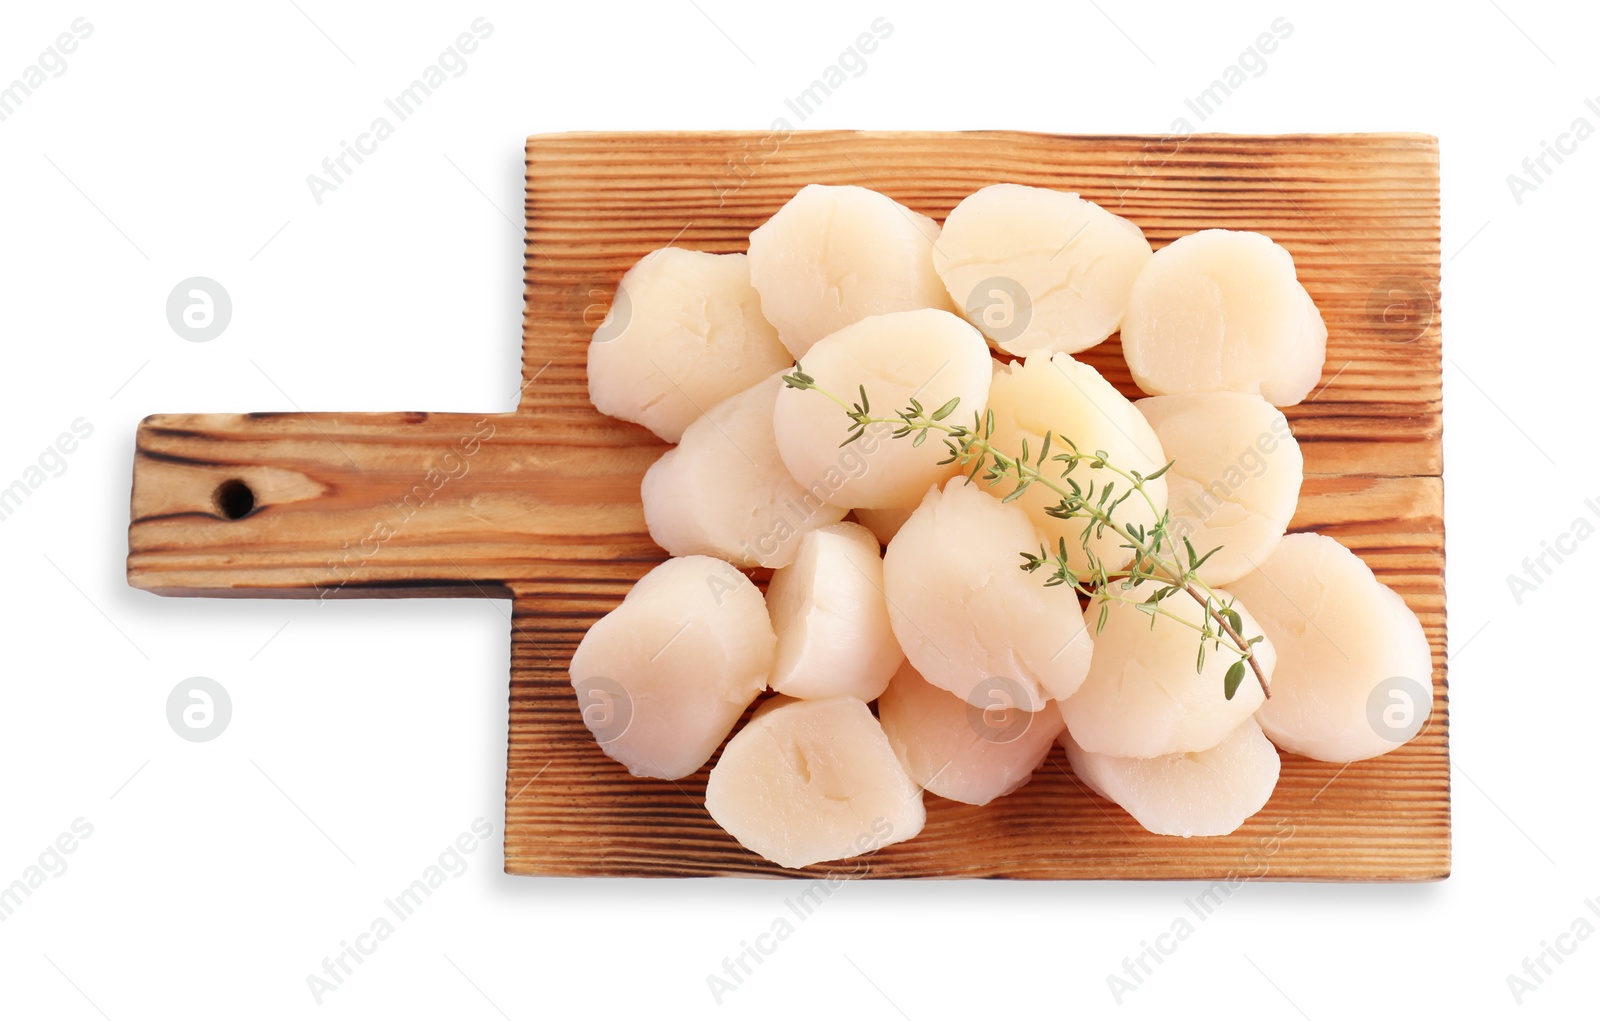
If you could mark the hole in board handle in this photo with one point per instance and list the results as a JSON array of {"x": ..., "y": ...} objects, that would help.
[{"x": 234, "y": 499}]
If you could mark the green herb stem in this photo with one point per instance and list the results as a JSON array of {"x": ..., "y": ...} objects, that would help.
[{"x": 1148, "y": 560}]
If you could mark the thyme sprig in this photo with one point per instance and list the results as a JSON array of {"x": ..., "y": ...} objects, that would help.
[{"x": 1154, "y": 554}]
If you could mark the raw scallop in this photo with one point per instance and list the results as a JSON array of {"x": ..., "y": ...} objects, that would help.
[
  {"x": 958, "y": 750},
  {"x": 883, "y": 522},
  {"x": 927, "y": 354},
  {"x": 1199, "y": 794},
  {"x": 684, "y": 331},
  {"x": 1235, "y": 478},
  {"x": 813, "y": 781},
  {"x": 1039, "y": 270},
  {"x": 1222, "y": 310},
  {"x": 968, "y": 616},
  {"x": 723, "y": 491},
  {"x": 1143, "y": 696},
  {"x": 1069, "y": 399},
  {"x": 663, "y": 677},
  {"x": 832, "y": 623},
  {"x": 835, "y": 255},
  {"x": 1355, "y": 673},
  {"x": 770, "y": 703}
]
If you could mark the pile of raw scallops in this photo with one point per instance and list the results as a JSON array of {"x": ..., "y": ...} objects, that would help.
[{"x": 907, "y": 649}]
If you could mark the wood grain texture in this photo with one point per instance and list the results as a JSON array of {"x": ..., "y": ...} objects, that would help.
[
  {"x": 375, "y": 504},
  {"x": 1359, "y": 214},
  {"x": 547, "y": 507}
]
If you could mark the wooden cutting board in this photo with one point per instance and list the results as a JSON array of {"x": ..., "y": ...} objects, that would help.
[{"x": 542, "y": 504}]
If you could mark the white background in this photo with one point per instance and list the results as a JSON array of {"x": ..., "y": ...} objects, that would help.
[{"x": 367, "y": 735}]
